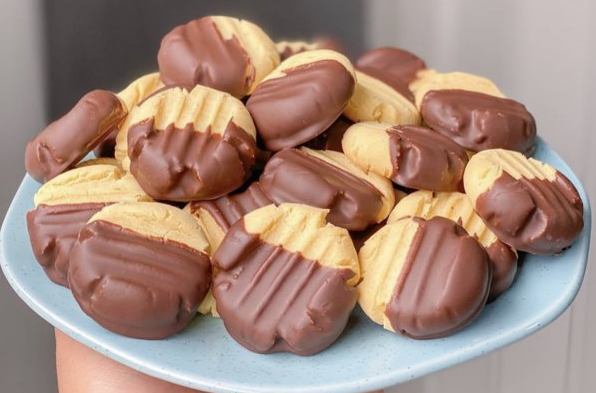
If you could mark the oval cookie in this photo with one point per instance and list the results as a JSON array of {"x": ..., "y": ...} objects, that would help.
[
  {"x": 220, "y": 52},
  {"x": 192, "y": 145},
  {"x": 411, "y": 156},
  {"x": 140, "y": 269},
  {"x": 526, "y": 203},
  {"x": 301, "y": 98},
  {"x": 424, "y": 279},
  {"x": 67, "y": 140},
  {"x": 456, "y": 207},
  {"x": 65, "y": 204},
  {"x": 286, "y": 280}
]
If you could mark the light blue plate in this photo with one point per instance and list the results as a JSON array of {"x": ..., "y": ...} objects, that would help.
[{"x": 366, "y": 357}]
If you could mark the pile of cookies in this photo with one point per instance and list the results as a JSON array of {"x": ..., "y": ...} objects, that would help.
[{"x": 277, "y": 185}]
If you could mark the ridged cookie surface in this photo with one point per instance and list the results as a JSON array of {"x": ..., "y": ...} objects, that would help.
[
  {"x": 526, "y": 203},
  {"x": 286, "y": 280}
]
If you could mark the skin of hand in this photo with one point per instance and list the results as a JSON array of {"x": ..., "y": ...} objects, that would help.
[{"x": 82, "y": 370}]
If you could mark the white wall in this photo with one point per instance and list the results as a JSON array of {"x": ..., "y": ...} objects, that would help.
[
  {"x": 542, "y": 53},
  {"x": 26, "y": 341}
]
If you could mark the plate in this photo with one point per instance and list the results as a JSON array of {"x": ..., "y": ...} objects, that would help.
[{"x": 365, "y": 357}]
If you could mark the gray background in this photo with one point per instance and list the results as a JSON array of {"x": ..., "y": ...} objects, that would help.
[{"x": 540, "y": 53}]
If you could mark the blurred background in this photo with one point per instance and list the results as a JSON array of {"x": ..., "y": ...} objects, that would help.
[{"x": 540, "y": 53}]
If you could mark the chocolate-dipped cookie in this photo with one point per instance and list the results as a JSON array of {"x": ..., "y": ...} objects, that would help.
[
  {"x": 424, "y": 279},
  {"x": 479, "y": 121},
  {"x": 526, "y": 203},
  {"x": 286, "y": 280},
  {"x": 140, "y": 269},
  {"x": 457, "y": 207},
  {"x": 411, "y": 156},
  {"x": 381, "y": 101},
  {"x": 328, "y": 180},
  {"x": 224, "y": 53},
  {"x": 391, "y": 63},
  {"x": 185, "y": 146},
  {"x": 67, "y": 140},
  {"x": 433, "y": 80},
  {"x": 301, "y": 98},
  {"x": 131, "y": 96},
  {"x": 65, "y": 204}
]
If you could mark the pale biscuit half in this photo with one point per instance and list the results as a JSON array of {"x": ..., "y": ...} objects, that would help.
[
  {"x": 382, "y": 259},
  {"x": 380, "y": 183},
  {"x": 139, "y": 89},
  {"x": 260, "y": 48},
  {"x": 366, "y": 144},
  {"x": 374, "y": 100},
  {"x": 156, "y": 220},
  {"x": 91, "y": 184},
  {"x": 488, "y": 165},
  {"x": 454, "y": 80},
  {"x": 203, "y": 107},
  {"x": 303, "y": 229},
  {"x": 98, "y": 161}
]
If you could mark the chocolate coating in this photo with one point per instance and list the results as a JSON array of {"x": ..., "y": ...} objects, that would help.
[
  {"x": 67, "y": 140},
  {"x": 297, "y": 107},
  {"x": 444, "y": 283},
  {"x": 182, "y": 164},
  {"x": 387, "y": 63},
  {"x": 273, "y": 300},
  {"x": 53, "y": 231},
  {"x": 196, "y": 54},
  {"x": 135, "y": 285},
  {"x": 292, "y": 176},
  {"x": 423, "y": 159},
  {"x": 480, "y": 121},
  {"x": 504, "y": 267},
  {"x": 395, "y": 83},
  {"x": 533, "y": 215},
  {"x": 228, "y": 209},
  {"x": 331, "y": 138}
]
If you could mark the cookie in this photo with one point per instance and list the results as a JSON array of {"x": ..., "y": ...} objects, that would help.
[
  {"x": 528, "y": 204},
  {"x": 140, "y": 269},
  {"x": 290, "y": 48},
  {"x": 411, "y": 156},
  {"x": 328, "y": 180},
  {"x": 185, "y": 146},
  {"x": 331, "y": 138},
  {"x": 286, "y": 280},
  {"x": 65, "y": 204},
  {"x": 301, "y": 98},
  {"x": 453, "y": 81},
  {"x": 67, "y": 140},
  {"x": 479, "y": 121},
  {"x": 375, "y": 100},
  {"x": 423, "y": 278},
  {"x": 391, "y": 63},
  {"x": 220, "y": 52},
  {"x": 457, "y": 207}
]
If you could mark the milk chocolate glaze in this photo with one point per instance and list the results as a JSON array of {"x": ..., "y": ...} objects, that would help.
[
  {"x": 67, "y": 140},
  {"x": 297, "y": 107},
  {"x": 292, "y": 176},
  {"x": 274, "y": 300},
  {"x": 135, "y": 285},
  {"x": 228, "y": 209},
  {"x": 196, "y": 54},
  {"x": 480, "y": 121},
  {"x": 423, "y": 159},
  {"x": 388, "y": 79},
  {"x": 331, "y": 138},
  {"x": 533, "y": 215},
  {"x": 183, "y": 164},
  {"x": 391, "y": 64},
  {"x": 53, "y": 231},
  {"x": 444, "y": 283},
  {"x": 504, "y": 267}
]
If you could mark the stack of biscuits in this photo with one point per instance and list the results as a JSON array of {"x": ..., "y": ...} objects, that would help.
[{"x": 277, "y": 185}]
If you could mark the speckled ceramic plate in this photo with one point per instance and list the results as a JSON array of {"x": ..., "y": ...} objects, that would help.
[{"x": 365, "y": 357}]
